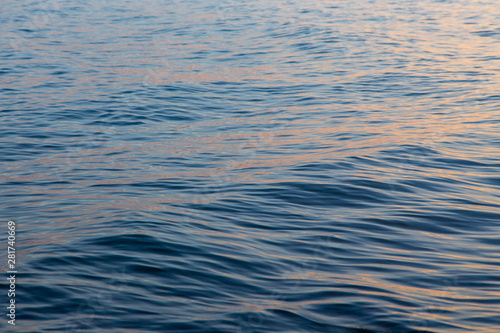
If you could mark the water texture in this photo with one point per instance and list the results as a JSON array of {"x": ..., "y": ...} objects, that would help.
[{"x": 252, "y": 166}]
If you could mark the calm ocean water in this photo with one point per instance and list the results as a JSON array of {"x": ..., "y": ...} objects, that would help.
[{"x": 251, "y": 166}]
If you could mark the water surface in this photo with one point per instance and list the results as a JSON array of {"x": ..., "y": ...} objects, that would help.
[{"x": 252, "y": 166}]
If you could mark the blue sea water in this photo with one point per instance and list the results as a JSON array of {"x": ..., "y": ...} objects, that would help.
[{"x": 251, "y": 166}]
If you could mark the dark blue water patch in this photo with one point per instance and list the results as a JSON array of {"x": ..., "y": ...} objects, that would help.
[
  {"x": 488, "y": 241},
  {"x": 26, "y": 150},
  {"x": 143, "y": 243},
  {"x": 479, "y": 219},
  {"x": 323, "y": 167},
  {"x": 487, "y": 33},
  {"x": 448, "y": 221}
]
